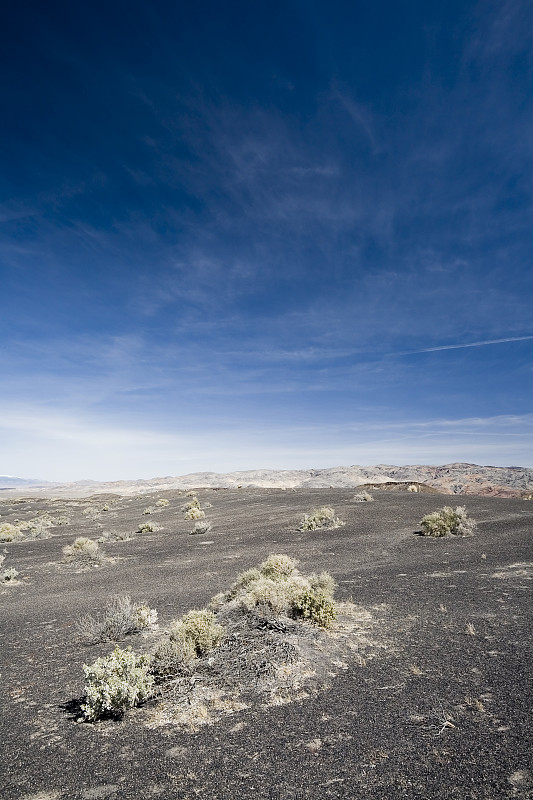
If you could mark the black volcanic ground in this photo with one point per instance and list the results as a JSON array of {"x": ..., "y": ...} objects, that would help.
[{"x": 423, "y": 710}]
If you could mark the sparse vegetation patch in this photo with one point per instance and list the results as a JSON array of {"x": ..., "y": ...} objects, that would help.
[{"x": 265, "y": 637}]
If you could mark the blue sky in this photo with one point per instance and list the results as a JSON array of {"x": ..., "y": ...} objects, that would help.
[{"x": 273, "y": 234}]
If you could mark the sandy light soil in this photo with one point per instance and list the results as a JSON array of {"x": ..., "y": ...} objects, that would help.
[{"x": 421, "y": 689}]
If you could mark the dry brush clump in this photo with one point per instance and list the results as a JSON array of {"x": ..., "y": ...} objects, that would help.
[
  {"x": 122, "y": 617},
  {"x": 83, "y": 552},
  {"x": 8, "y": 575},
  {"x": 9, "y": 532},
  {"x": 363, "y": 497},
  {"x": 323, "y": 517},
  {"x": 201, "y": 526},
  {"x": 448, "y": 522},
  {"x": 148, "y": 527},
  {"x": 193, "y": 510}
]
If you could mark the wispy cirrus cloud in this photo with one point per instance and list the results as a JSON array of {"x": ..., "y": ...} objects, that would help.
[{"x": 465, "y": 345}]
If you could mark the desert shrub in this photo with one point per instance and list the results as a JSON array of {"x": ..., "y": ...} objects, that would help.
[
  {"x": 317, "y": 607},
  {"x": 115, "y": 683},
  {"x": 244, "y": 580},
  {"x": 278, "y": 588},
  {"x": 216, "y": 602},
  {"x": 271, "y": 595},
  {"x": 278, "y": 566},
  {"x": 191, "y": 493},
  {"x": 148, "y": 527},
  {"x": 83, "y": 551},
  {"x": 38, "y": 528},
  {"x": 320, "y": 518},
  {"x": 173, "y": 658},
  {"x": 8, "y": 532},
  {"x": 412, "y": 488},
  {"x": 148, "y": 510},
  {"x": 448, "y": 521},
  {"x": 194, "y": 503},
  {"x": 121, "y": 618},
  {"x": 8, "y": 575},
  {"x": 201, "y": 526},
  {"x": 162, "y": 503},
  {"x": 105, "y": 508},
  {"x": 363, "y": 497},
  {"x": 322, "y": 583},
  {"x": 195, "y": 513},
  {"x": 200, "y": 628}
]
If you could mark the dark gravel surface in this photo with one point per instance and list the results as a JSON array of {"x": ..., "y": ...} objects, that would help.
[{"x": 440, "y": 709}]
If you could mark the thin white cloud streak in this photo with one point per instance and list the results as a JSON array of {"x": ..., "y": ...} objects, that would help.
[{"x": 461, "y": 346}]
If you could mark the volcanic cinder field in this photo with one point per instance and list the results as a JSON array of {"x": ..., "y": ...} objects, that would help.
[{"x": 421, "y": 689}]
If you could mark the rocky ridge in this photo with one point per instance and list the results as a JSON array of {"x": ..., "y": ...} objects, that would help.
[{"x": 456, "y": 478}]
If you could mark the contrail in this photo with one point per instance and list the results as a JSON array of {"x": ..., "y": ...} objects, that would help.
[{"x": 469, "y": 344}]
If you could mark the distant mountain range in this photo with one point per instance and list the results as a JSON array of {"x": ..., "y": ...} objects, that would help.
[
  {"x": 448, "y": 479},
  {"x": 10, "y": 482}
]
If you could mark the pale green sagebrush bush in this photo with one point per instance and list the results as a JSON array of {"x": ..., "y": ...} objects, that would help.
[
  {"x": 200, "y": 628},
  {"x": 9, "y": 575},
  {"x": 317, "y": 607},
  {"x": 83, "y": 551},
  {"x": 322, "y": 583},
  {"x": 147, "y": 527},
  {"x": 278, "y": 566},
  {"x": 116, "y": 683},
  {"x": 448, "y": 521},
  {"x": 278, "y": 588},
  {"x": 363, "y": 497},
  {"x": 201, "y": 526},
  {"x": 8, "y": 532},
  {"x": 194, "y": 503},
  {"x": 320, "y": 518},
  {"x": 195, "y": 513}
]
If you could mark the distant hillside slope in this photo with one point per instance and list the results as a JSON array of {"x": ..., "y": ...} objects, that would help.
[{"x": 449, "y": 479}]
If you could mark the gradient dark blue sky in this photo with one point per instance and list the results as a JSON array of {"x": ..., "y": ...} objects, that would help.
[{"x": 267, "y": 234}]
